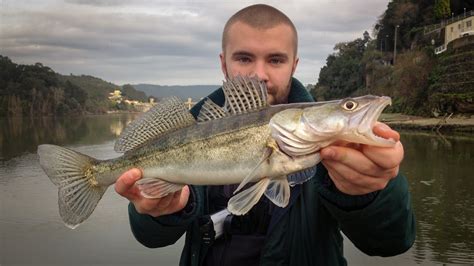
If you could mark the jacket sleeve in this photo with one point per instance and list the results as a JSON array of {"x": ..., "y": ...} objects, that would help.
[
  {"x": 379, "y": 224},
  {"x": 165, "y": 230}
]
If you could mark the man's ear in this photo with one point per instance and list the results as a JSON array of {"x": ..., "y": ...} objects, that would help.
[
  {"x": 295, "y": 64},
  {"x": 223, "y": 64}
]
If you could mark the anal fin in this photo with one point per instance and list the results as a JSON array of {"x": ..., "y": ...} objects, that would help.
[{"x": 154, "y": 188}]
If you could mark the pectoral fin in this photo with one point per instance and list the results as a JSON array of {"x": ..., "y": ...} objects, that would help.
[
  {"x": 251, "y": 175},
  {"x": 278, "y": 191},
  {"x": 241, "y": 203},
  {"x": 153, "y": 188}
]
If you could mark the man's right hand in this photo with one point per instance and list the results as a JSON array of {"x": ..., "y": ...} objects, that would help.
[{"x": 125, "y": 186}]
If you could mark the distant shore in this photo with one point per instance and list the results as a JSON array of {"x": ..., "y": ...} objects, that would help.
[{"x": 458, "y": 123}]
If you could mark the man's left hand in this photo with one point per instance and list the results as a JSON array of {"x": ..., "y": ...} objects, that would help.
[{"x": 360, "y": 169}]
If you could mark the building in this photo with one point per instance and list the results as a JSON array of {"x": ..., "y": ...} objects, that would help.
[
  {"x": 116, "y": 96},
  {"x": 453, "y": 28},
  {"x": 459, "y": 29}
]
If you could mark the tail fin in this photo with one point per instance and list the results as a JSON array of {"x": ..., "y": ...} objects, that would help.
[{"x": 72, "y": 173}]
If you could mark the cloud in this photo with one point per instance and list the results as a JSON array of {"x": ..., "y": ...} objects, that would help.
[
  {"x": 99, "y": 2},
  {"x": 163, "y": 42}
]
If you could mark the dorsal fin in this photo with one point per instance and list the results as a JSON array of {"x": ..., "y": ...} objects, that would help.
[
  {"x": 168, "y": 115},
  {"x": 210, "y": 111},
  {"x": 242, "y": 95}
]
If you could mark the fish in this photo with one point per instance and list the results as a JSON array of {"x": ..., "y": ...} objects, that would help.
[{"x": 246, "y": 141}]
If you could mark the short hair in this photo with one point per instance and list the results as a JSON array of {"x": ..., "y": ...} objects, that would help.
[{"x": 262, "y": 17}]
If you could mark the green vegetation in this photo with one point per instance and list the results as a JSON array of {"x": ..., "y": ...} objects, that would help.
[
  {"x": 343, "y": 72},
  {"x": 442, "y": 9},
  {"x": 36, "y": 90},
  {"x": 131, "y": 93},
  {"x": 420, "y": 82}
]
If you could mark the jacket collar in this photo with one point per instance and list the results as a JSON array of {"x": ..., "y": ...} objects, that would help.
[{"x": 298, "y": 92}]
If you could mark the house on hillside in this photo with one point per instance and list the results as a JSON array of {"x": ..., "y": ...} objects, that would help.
[
  {"x": 116, "y": 96},
  {"x": 453, "y": 28}
]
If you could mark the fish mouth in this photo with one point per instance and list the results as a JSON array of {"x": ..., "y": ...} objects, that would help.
[{"x": 369, "y": 120}]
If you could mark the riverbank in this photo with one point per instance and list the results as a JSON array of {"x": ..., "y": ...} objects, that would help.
[{"x": 458, "y": 123}]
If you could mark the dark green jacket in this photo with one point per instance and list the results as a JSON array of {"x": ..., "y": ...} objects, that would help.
[{"x": 308, "y": 230}]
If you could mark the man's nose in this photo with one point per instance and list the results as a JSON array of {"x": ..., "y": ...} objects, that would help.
[{"x": 261, "y": 71}]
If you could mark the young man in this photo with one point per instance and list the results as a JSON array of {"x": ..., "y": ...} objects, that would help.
[{"x": 356, "y": 189}]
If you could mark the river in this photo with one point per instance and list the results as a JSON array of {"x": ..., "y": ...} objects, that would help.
[{"x": 440, "y": 171}]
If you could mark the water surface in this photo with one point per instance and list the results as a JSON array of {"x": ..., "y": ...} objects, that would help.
[{"x": 440, "y": 171}]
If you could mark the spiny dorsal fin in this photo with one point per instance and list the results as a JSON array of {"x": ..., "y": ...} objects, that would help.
[
  {"x": 244, "y": 94},
  {"x": 210, "y": 111},
  {"x": 168, "y": 115}
]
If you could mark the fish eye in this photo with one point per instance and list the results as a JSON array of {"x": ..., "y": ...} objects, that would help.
[{"x": 349, "y": 105}]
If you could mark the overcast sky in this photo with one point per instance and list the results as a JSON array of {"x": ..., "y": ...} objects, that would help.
[{"x": 164, "y": 42}]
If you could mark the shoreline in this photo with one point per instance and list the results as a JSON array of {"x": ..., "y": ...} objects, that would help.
[{"x": 458, "y": 123}]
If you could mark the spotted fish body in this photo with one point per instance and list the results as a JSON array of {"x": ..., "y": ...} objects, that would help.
[{"x": 246, "y": 141}]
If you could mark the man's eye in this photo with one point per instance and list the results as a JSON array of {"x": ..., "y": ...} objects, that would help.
[
  {"x": 244, "y": 60},
  {"x": 275, "y": 61}
]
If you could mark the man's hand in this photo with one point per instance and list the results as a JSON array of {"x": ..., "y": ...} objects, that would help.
[
  {"x": 125, "y": 186},
  {"x": 361, "y": 169}
]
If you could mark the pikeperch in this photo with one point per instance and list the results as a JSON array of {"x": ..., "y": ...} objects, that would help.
[{"x": 245, "y": 141}]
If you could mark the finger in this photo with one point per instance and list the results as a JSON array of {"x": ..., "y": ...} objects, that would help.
[
  {"x": 146, "y": 206},
  {"x": 355, "y": 180},
  {"x": 183, "y": 197},
  {"x": 342, "y": 184},
  {"x": 125, "y": 183},
  {"x": 165, "y": 202},
  {"x": 385, "y": 157},
  {"x": 384, "y": 131},
  {"x": 167, "y": 205},
  {"x": 354, "y": 159}
]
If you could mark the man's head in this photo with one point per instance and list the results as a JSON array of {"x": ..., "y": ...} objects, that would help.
[{"x": 260, "y": 40}]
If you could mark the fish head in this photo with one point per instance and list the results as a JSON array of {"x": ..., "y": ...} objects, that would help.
[
  {"x": 350, "y": 119},
  {"x": 301, "y": 131}
]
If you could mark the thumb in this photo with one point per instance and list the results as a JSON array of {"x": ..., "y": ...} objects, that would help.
[
  {"x": 183, "y": 199},
  {"x": 126, "y": 181},
  {"x": 384, "y": 131}
]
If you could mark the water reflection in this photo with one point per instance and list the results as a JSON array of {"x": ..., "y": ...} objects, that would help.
[
  {"x": 20, "y": 134},
  {"x": 440, "y": 170}
]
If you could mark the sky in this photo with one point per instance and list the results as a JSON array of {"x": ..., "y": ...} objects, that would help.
[{"x": 164, "y": 42}]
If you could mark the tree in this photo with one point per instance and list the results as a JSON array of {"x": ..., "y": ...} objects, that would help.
[
  {"x": 343, "y": 72},
  {"x": 442, "y": 9},
  {"x": 132, "y": 94}
]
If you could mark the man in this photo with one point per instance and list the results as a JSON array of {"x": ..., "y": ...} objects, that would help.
[{"x": 357, "y": 188}]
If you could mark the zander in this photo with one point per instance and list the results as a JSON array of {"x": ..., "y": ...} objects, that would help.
[{"x": 245, "y": 141}]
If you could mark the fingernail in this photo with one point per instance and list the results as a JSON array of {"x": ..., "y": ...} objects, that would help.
[{"x": 329, "y": 153}]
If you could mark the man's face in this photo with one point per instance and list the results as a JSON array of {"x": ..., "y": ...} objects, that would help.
[{"x": 269, "y": 54}]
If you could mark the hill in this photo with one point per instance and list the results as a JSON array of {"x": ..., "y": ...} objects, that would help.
[
  {"x": 95, "y": 88},
  {"x": 36, "y": 90},
  {"x": 195, "y": 92},
  {"x": 401, "y": 61}
]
